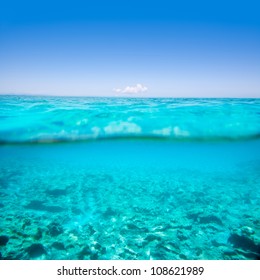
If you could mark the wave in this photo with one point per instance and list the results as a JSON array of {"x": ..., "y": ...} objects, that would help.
[
  {"x": 130, "y": 138},
  {"x": 35, "y": 120}
]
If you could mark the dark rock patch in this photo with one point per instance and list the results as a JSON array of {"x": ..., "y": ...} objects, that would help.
[
  {"x": 26, "y": 222},
  {"x": 36, "y": 205},
  {"x": 133, "y": 228},
  {"x": 182, "y": 236},
  {"x": 182, "y": 257},
  {"x": 100, "y": 249},
  {"x": 56, "y": 192},
  {"x": 85, "y": 252},
  {"x": 36, "y": 250},
  {"x": 152, "y": 237},
  {"x": 55, "y": 229},
  {"x": 243, "y": 242},
  {"x": 210, "y": 219},
  {"x": 58, "y": 246},
  {"x": 3, "y": 240},
  {"x": 40, "y": 206},
  {"x": 109, "y": 212},
  {"x": 94, "y": 256},
  {"x": 1, "y": 205},
  {"x": 159, "y": 253},
  {"x": 229, "y": 252},
  {"x": 193, "y": 216},
  {"x": 39, "y": 234}
]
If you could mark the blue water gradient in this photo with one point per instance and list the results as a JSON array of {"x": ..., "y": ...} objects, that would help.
[{"x": 129, "y": 196}]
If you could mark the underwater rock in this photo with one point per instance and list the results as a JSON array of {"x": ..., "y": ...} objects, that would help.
[
  {"x": 26, "y": 222},
  {"x": 99, "y": 248},
  {"x": 56, "y": 192},
  {"x": 3, "y": 240},
  {"x": 35, "y": 205},
  {"x": 210, "y": 219},
  {"x": 247, "y": 231},
  {"x": 94, "y": 256},
  {"x": 58, "y": 246},
  {"x": 229, "y": 252},
  {"x": 88, "y": 229},
  {"x": 36, "y": 250},
  {"x": 152, "y": 237},
  {"x": 40, "y": 206},
  {"x": 55, "y": 229},
  {"x": 194, "y": 215},
  {"x": 245, "y": 243},
  {"x": 182, "y": 257},
  {"x": 109, "y": 212},
  {"x": 38, "y": 234},
  {"x": 134, "y": 228},
  {"x": 182, "y": 236},
  {"x": 159, "y": 252},
  {"x": 85, "y": 252}
]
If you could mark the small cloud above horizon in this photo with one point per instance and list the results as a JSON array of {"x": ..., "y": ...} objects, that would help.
[{"x": 131, "y": 89}]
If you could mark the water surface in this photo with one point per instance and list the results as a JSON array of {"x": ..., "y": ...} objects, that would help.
[{"x": 103, "y": 178}]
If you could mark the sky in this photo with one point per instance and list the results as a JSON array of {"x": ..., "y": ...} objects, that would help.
[{"x": 130, "y": 48}]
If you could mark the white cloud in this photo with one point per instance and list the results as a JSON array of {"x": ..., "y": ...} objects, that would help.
[{"x": 132, "y": 89}]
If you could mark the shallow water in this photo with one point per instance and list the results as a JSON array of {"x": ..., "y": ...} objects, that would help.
[{"x": 125, "y": 193}]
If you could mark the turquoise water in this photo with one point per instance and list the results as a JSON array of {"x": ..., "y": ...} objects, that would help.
[{"x": 111, "y": 178}]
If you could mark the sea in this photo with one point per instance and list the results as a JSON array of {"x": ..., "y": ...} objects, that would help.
[{"x": 87, "y": 178}]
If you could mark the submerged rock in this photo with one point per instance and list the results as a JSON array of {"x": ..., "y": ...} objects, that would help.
[
  {"x": 58, "y": 246},
  {"x": 56, "y": 192},
  {"x": 40, "y": 206},
  {"x": 152, "y": 237},
  {"x": 182, "y": 236},
  {"x": 39, "y": 234},
  {"x": 245, "y": 243},
  {"x": 210, "y": 219},
  {"x": 36, "y": 250},
  {"x": 55, "y": 229},
  {"x": 229, "y": 252},
  {"x": 85, "y": 252},
  {"x": 36, "y": 205},
  {"x": 109, "y": 212},
  {"x": 94, "y": 256},
  {"x": 3, "y": 240},
  {"x": 247, "y": 231}
]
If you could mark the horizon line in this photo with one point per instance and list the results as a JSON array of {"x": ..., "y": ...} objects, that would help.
[{"x": 127, "y": 96}]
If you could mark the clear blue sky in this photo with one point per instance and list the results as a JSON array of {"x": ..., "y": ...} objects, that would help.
[{"x": 171, "y": 48}]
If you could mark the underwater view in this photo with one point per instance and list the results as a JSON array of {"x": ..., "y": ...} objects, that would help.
[{"x": 85, "y": 178}]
